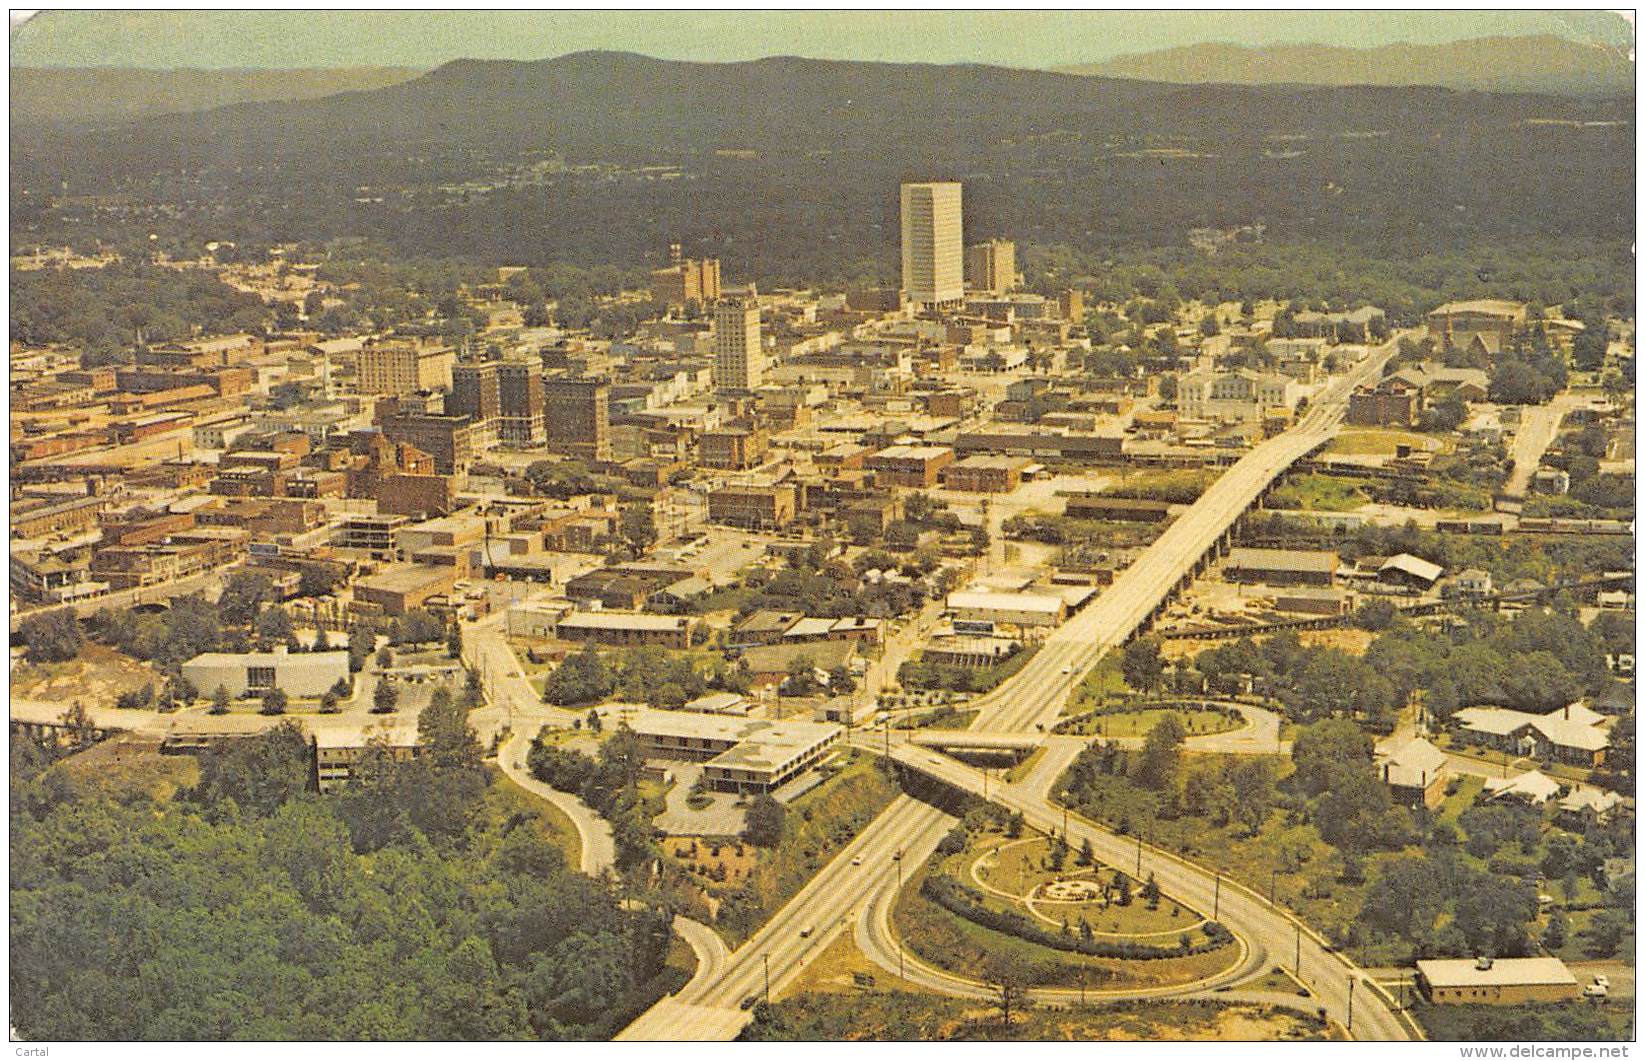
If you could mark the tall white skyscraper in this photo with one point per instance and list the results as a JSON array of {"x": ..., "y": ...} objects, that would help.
[
  {"x": 933, "y": 243},
  {"x": 739, "y": 361}
]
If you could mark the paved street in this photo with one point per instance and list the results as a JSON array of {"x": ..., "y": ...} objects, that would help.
[{"x": 1035, "y": 697}]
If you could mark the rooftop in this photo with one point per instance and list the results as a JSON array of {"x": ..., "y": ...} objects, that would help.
[
  {"x": 625, "y": 621},
  {"x": 1283, "y": 559},
  {"x": 1503, "y": 972},
  {"x": 1020, "y": 602}
]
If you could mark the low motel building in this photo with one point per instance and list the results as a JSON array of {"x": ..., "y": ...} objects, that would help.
[{"x": 738, "y": 754}]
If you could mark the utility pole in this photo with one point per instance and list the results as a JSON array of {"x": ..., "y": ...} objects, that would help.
[
  {"x": 1273, "y": 881},
  {"x": 1350, "y": 1003},
  {"x": 766, "y": 958},
  {"x": 1296, "y": 960},
  {"x": 1139, "y": 855},
  {"x": 1216, "y": 898}
]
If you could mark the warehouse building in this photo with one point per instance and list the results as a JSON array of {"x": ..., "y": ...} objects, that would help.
[
  {"x": 1018, "y": 609},
  {"x": 1282, "y": 567}
]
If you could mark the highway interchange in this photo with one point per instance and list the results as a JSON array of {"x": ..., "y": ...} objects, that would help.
[{"x": 856, "y": 889}]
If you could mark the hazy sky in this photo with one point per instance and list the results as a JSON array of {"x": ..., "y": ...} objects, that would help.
[{"x": 1015, "y": 38}]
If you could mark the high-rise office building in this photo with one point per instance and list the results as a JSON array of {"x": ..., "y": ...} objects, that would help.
[
  {"x": 991, "y": 266},
  {"x": 686, "y": 280},
  {"x": 933, "y": 243},
  {"x": 504, "y": 399},
  {"x": 579, "y": 417},
  {"x": 401, "y": 367},
  {"x": 739, "y": 361}
]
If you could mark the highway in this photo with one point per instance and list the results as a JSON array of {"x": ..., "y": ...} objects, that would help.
[{"x": 843, "y": 893}]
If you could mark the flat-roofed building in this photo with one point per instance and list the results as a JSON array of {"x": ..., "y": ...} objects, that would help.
[
  {"x": 733, "y": 448},
  {"x": 991, "y": 266},
  {"x": 914, "y": 467},
  {"x": 1314, "y": 600},
  {"x": 404, "y": 588},
  {"x": 339, "y": 752},
  {"x": 626, "y": 629},
  {"x": 449, "y": 440},
  {"x": 578, "y": 412},
  {"x": 933, "y": 243},
  {"x": 1018, "y": 609},
  {"x": 298, "y": 674},
  {"x": 372, "y": 533},
  {"x": 1099, "y": 506},
  {"x": 754, "y": 505},
  {"x": 535, "y": 619},
  {"x": 738, "y": 754},
  {"x": 1282, "y": 567},
  {"x": 739, "y": 358},
  {"x": 1496, "y": 982},
  {"x": 983, "y": 474},
  {"x": 405, "y": 367}
]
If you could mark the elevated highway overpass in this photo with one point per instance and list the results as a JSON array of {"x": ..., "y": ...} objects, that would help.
[{"x": 865, "y": 871}]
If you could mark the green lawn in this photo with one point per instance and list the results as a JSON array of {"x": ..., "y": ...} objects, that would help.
[
  {"x": 1303, "y": 870},
  {"x": 1104, "y": 681},
  {"x": 1019, "y": 866},
  {"x": 948, "y": 941},
  {"x": 1319, "y": 493},
  {"x": 559, "y": 827},
  {"x": 1468, "y": 789},
  {"x": 1138, "y": 723},
  {"x": 1555, "y": 1022},
  {"x": 1376, "y": 442},
  {"x": 900, "y": 1016},
  {"x": 1023, "y": 769}
]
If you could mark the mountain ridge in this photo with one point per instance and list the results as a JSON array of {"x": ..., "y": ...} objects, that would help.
[
  {"x": 1487, "y": 64},
  {"x": 65, "y": 95}
]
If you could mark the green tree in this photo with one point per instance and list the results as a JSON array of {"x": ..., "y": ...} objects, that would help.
[
  {"x": 582, "y": 678},
  {"x": 384, "y": 697},
  {"x": 274, "y": 701},
  {"x": 220, "y": 701},
  {"x": 51, "y": 637},
  {"x": 259, "y": 773},
  {"x": 1142, "y": 664},
  {"x": 1161, "y": 751},
  {"x": 1009, "y": 981},
  {"x": 244, "y": 596},
  {"x": 765, "y": 821}
]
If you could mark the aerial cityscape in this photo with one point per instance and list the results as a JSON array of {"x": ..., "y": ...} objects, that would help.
[{"x": 1023, "y": 542}]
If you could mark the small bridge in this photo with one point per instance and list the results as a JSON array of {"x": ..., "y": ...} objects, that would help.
[{"x": 976, "y": 740}]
